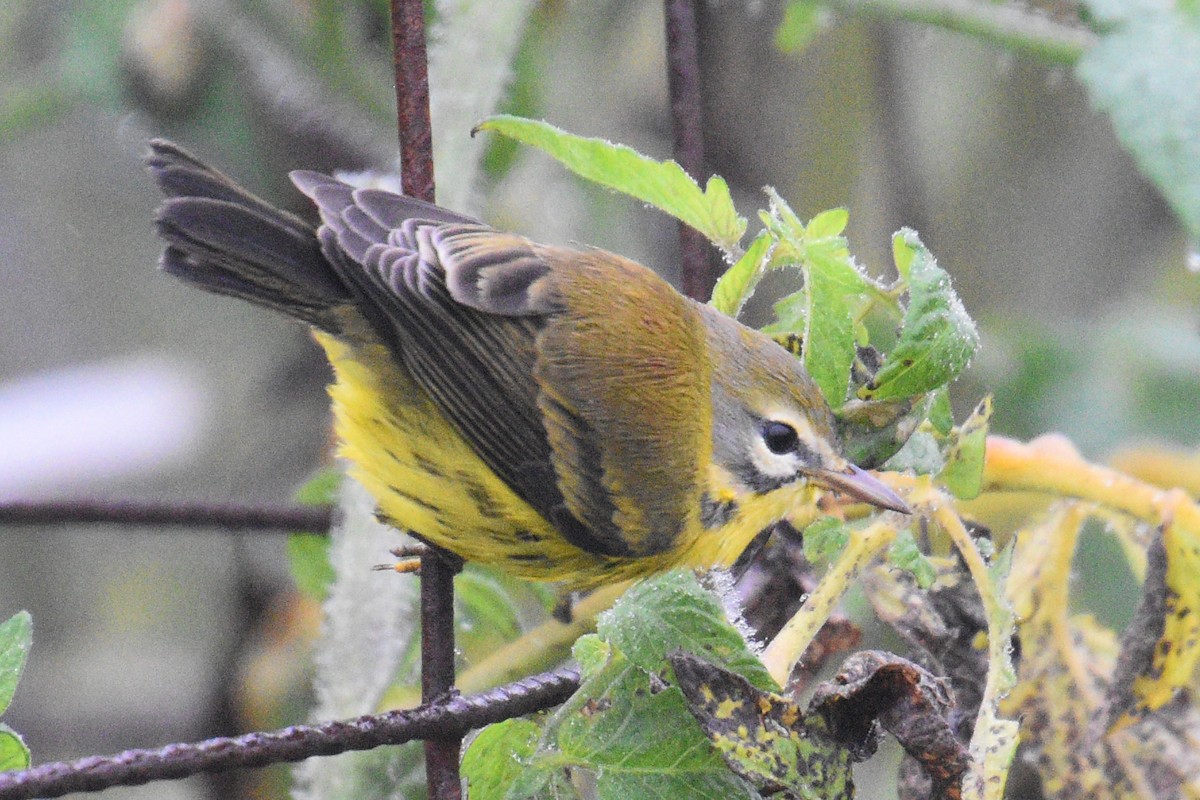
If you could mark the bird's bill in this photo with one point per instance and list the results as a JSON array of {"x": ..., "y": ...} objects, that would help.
[{"x": 862, "y": 485}]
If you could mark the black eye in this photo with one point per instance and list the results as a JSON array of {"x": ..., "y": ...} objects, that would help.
[{"x": 779, "y": 437}]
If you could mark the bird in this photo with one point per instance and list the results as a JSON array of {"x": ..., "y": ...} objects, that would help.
[{"x": 561, "y": 413}]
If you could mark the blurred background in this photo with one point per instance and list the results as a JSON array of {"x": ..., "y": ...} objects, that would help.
[{"x": 116, "y": 381}]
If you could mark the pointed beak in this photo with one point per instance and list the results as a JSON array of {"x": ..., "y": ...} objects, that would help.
[{"x": 862, "y": 485}]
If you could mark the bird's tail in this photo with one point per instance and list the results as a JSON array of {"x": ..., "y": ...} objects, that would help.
[{"x": 225, "y": 240}]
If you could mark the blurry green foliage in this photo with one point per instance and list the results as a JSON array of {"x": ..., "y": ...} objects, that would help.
[
  {"x": 16, "y": 637},
  {"x": 1144, "y": 73}
]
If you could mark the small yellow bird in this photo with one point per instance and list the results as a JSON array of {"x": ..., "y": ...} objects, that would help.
[{"x": 563, "y": 414}]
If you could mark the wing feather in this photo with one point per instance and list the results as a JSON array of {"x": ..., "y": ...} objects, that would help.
[{"x": 496, "y": 329}]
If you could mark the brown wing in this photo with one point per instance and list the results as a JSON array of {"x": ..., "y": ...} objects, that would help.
[
  {"x": 625, "y": 394},
  {"x": 497, "y": 330}
]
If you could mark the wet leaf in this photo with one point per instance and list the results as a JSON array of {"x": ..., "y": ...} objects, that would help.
[
  {"x": 904, "y": 554},
  {"x": 823, "y": 310},
  {"x": 921, "y": 453},
  {"x": 907, "y": 702},
  {"x": 497, "y": 756},
  {"x": 671, "y": 611},
  {"x": 16, "y": 637},
  {"x": 1158, "y": 649},
  {"x": 635, "y": 738},
  {"x": 1066, "y": 667},
  {"x": 736, "y": 286},
  {"x": 662, "y": 184},
  {"x": 937, "y": 339},
  {"x": 764, "y": 737},
  {"x": 963, "y": 471},
  {"x": 1144, "y": 72},
  {"x": 872, "y": 431},
  {"x": 825, "y": 539},
  {"x": 14, "y": 753}
]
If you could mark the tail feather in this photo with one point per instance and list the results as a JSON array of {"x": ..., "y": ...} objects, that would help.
[{"x": 227, "y": 241}]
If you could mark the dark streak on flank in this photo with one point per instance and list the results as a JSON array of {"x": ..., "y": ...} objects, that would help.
[
  {"x": 483, "y": 501},
  {"x": 414, "y": 499},
  {"x": 428, "y": 467},
  {"x": 527, "y": 558},
  {"x": 524, "y": 535}
]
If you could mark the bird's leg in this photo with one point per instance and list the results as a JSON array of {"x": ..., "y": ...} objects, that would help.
[{"x": 409, "y": 559}]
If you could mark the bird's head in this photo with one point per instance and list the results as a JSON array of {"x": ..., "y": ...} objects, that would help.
[{"x": 771, "y": 425}]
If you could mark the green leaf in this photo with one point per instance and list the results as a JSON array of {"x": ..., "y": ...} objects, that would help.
[
  {"x": 872, "y": 431},
  {"x": 963, "y": 471},
  {"x": 801, "y": 21},
  {"x": 321, "y": 489},
  {"x": 16, "y": 636},
  {"x": 765, "y": 737},
  {"x": 1002, "y": 619},
  {"x": 904, "y": 554},
  {"x": 829, "y": 335},
  {"x": 14, "y": 753},
  {"x": 308, "y": 553},
  {"x": 921, "y": 453},
  {"x": 671, "y": 611},
  {"x": 780, "y": 219},
  {"x": 938, "y": 338},
  {"x": 903, "y": 255},
  {"x": 734, "y": 288},
  {"x": 662, "y": 184},
  {"x": 637, "y": 739},
  {"x": 825, "y": 539},
  {"x": 827, "y": 224},
  {"x": 824, "y": 309},
  {"x": 308, "y": 557},
  {"x": 791, "y": 312},
  {"x": 1144, "y": 73},
  {"x": 626, "y": 732},
  {"x": 497, "y": 756},
  {"x": 941, "y": 416},
  {"x": 488, "y": 610},
  {"x": 592, "y": 653}
]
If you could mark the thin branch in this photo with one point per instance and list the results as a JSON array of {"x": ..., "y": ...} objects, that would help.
[
  {"x": 452, "y": 717},
  {"x": 438, "y": 567},
  {"x": 412, "y": 99},
  {"x": 687, "y": 122},
  {"x": 312, "y": 519},
  {"x": 1008, "y": 24}
]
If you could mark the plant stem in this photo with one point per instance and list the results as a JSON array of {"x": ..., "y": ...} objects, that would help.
[
  {"x": 687, "y": 122},
  {"x": 226, "y": 516},
  {"x": 412, "y": 99},
  {"x": 788, "y": 646},
  {"x": 1006, "y": 24},
  {"x": 1050, "y": 464},
  {"x": 438, "y": 567}
]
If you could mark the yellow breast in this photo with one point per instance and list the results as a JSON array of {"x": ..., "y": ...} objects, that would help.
[{"x": 427, "y": 480}]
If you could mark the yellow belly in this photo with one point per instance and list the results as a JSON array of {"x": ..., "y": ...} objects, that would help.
[{"x": 429, "y": 481}]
